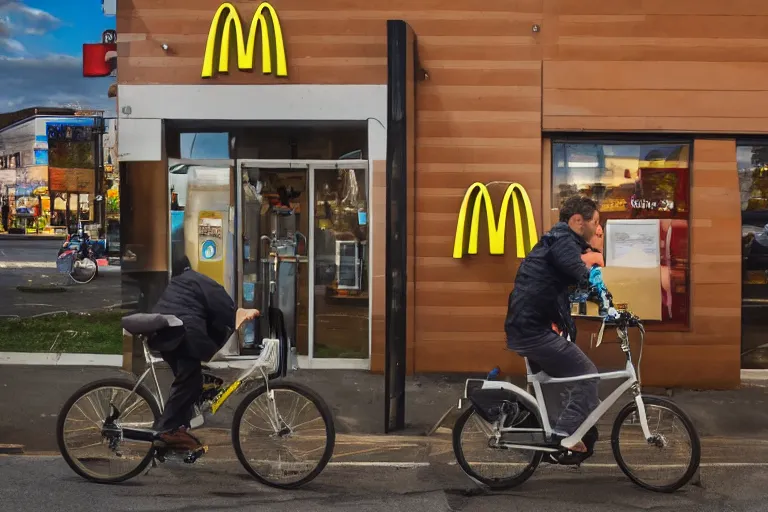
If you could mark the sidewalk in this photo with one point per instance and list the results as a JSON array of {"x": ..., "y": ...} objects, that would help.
[{"x": 735, "y": 422}]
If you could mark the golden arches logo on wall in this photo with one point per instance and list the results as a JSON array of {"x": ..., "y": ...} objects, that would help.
[
  {"x": 475, "y": 198},
  {"x": 245, "y": 48}
]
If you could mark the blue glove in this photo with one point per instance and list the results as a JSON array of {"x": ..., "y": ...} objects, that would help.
[
  {"x": 605, "y": 304},
  {"x": 596, "y": 278}
]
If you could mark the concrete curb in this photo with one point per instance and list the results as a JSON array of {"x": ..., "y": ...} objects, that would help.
[
  {"x": 757, "y": 378},
  {"x": 49, "y": 359},
  {"x": 11, "y": 449}
]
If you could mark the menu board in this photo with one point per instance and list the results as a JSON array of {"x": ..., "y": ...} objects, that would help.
[{"x": 632, "y": 243}]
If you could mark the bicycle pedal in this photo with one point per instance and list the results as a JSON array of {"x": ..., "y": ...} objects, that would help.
[
  {"x": 160, "y": 456},
  {"x": 194, "y": 455}
]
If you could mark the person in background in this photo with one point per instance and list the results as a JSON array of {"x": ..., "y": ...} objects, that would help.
[
  {"x": 6, "y": 211},
  {"x": 209, "y": 317}
]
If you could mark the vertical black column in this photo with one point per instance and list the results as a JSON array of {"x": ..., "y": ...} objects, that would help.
[
  {"x": 100, "y": 201},
  {"x": 396, "y": 226}
]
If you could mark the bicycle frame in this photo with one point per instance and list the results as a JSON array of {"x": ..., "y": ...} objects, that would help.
[
  {"x": 535, "y": 403},
  {"x": 266, "y": 363}
]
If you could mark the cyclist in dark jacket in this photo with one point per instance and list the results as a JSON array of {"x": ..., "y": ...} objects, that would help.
[
  {"x": 539, "y": 325},
  {"x": 209, "y": 317}
]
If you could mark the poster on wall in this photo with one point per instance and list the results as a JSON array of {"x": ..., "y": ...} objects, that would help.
[
  {"x": 632, "y": 243},
  {"x": 210, "y": 236},
  {"x": 210, "y": 240}
]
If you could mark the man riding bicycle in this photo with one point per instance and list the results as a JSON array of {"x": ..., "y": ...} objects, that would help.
[
  {"x": 209, "y": 317},
  {"x": 539, "y": 325}
]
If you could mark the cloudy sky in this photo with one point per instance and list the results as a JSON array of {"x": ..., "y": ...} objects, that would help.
[{"x": 41, "y": 54}]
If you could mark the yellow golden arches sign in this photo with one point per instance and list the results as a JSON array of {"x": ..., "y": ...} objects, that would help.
[
  {"x": 525, "y": 225},
  {"x": 245, "y": 48}
]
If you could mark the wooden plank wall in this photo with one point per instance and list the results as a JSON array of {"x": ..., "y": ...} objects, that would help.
[
  {"x": 329, "y": 42},
  {"x": 478, "y": 120},
  {"x": 378, "y": 211},
  {"x": 656, "y": 65}
]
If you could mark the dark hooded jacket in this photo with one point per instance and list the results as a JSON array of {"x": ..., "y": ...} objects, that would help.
[
  {"x": 543, "y": 282},
  {"x": 206, "y": 309}
]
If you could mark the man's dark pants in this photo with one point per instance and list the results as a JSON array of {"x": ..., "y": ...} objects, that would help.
[
  {"x": 558, "y": 357},
  {"x": 185, "y": 390}
]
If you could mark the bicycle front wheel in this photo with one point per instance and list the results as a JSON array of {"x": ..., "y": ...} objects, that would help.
[
  {"x": 79, "y": 430},
  {"x": 672, "y": 435},
  {"x": 284, "y": 437}
]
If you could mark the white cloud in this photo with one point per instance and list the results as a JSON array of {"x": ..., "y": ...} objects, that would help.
[
  {"x": 18, "y": 18},
  {"x": 51, "y": 81}
]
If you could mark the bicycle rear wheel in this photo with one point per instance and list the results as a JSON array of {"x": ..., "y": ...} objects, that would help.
[
  {"x": 284, "y": 437},
  {"x": 673, "y": 434},
  {"x": 495, "y": 467},
  {"x": 79, "y": 430}
]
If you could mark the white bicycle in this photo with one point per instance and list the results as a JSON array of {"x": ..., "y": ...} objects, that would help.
[{"x": 503, "y": 420}]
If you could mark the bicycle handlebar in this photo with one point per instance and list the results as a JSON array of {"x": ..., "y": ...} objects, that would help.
[{"x": 625, "y": 320}]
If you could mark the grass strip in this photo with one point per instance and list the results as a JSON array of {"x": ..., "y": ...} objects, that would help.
[{"x": 74, "y": 333}]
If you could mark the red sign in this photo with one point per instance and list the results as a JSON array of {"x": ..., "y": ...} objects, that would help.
[{"x": 99, "y": 59}]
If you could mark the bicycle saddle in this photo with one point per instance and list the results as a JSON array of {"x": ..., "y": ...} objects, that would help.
[{"x": 149, "y": 323}]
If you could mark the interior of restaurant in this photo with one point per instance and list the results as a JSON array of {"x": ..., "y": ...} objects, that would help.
[{"x": 243, "y": 196}]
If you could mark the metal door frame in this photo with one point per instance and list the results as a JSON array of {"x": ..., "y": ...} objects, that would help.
[{"x": 309, "y": 361}]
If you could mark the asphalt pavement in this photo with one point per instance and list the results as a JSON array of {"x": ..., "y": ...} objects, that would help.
[
  {"x": 26, "y": 263},
  {"x": 46, "y": 483}
]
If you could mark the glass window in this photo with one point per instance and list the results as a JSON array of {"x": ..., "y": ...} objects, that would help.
[
  {"x": 636, "y": 181},
  {"x": 752, "y": 163},
  {"x": 341, "y": 263},
  {"x": 205, "y": 146},
  {"x": 199, "y": 217}
]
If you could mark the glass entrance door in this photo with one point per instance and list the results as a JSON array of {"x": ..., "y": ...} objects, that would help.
[
  {"x": 273, "y": 263},
  {"x": 753, "y": 183},
  {"x": 309, "y": 221},
  {"x": 339, "y": 248}
]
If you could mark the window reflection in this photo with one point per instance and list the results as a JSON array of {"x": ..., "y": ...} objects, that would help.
[
  {"x": 199, "y": 218},
  {"x": 636, "y": 181},
  {"x": 341, "y": 263},
  {"x": 752, "y": 161},
  {"x": 205, "y": 145}
]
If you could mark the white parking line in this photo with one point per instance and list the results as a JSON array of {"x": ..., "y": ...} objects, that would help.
[
  {"x": 27, "y": 264},
  {"x": 415, "y": 465}
]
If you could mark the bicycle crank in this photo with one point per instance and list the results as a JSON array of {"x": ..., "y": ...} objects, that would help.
[{"x": 190, "y": 457}]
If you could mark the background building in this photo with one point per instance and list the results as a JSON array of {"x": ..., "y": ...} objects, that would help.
[
  {"x": 658, "y": 110},
  {"x": 25, "y": 171}
]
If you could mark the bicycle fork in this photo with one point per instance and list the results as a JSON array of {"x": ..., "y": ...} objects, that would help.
[
  {"x": 279, "y": 425},
  {"x": 640, "y": 404}
]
